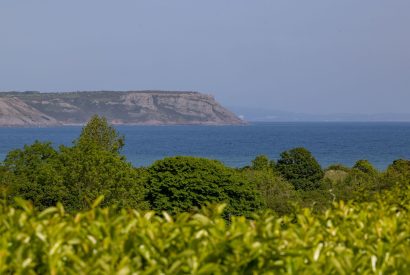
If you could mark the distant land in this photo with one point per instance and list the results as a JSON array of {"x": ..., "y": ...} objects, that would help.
[
  {"x": 20, "y": 109},
  {"x": 264, "y": 115}
]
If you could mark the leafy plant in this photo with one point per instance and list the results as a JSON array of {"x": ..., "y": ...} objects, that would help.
[{"x": 349, "y": 238}]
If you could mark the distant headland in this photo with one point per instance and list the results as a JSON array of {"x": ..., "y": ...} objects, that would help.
[{"x": 25, "y": 109}]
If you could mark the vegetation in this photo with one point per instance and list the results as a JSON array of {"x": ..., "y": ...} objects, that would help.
[
  {"x": 300, "y": 168},
  {"x": 87, "y": 210},
  {"x": 75, "y": 175},
  {"x": 365, "y": 166},
  {"x": 261, "y": 162},
  {"x": 183, "y": 183},
  {"x": 352, "y": 238},
  {"x": 277, "y": 194}
]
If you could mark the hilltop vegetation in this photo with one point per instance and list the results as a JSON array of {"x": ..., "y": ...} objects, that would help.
[{"x": 88, "y": 210}]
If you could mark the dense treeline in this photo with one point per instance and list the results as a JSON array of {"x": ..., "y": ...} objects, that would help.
[{"x": 77, "y": 175}]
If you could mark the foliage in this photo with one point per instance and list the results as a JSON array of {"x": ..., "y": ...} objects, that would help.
[
  {"x": 261, "y": 162},
  {"x": 179, "y": 184},
  {"x": 398, "y": 173},
  {"x": 319, "y": 199},
  {"x": 336, "y": 176},
  {"x": 5, "y": 179},
  {"x": 278, "y": 194},
  {"x": 98, "y": 133},
  {"x": 75, "y": 175},
  {"x": 338, "y": 167},
  {"x": 368, "y": 234},
  {"x": 366, "y": 167},
  {"x": 352, "y": 238},
  {"x": 36, "y": 175},
  {"x": 300, "y": 168},
  {"x": 89, "y": 174}
]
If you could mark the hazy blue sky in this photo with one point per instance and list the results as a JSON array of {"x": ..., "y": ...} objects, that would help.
[{"x": 313, "y": 56}]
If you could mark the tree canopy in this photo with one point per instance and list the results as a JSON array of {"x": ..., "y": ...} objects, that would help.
[
  {"x": 261, "y": 162},
  {"x": 98, "y": 133},
  {"x": 76, "y": 175},
  {"x": 300, "y": 168},
  {"x": 179, "y": 184}
]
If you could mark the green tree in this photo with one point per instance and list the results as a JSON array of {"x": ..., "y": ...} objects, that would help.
[
  {"x": 357, "y": 186},
  {"x": 76, "y": 175},
  {"x": 366, "y": 167},
  {"x": 397, "y": 174},
  {"x": 300, "y": 168},
  {"x": 94, "y": 167},
  {"x": 98, "y": 133},
  {"x": 261, "y": 162},
  {"x": 94, "y": 172},
  {"x": 179, "y": 184},
  {"x": 319, "y": 199},
  {"x": 360, "y": 183},
  {"x": 278, "y": 194},
  {"x": 33, "y": 173}
]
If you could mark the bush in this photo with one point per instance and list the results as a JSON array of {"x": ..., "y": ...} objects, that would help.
[
  {"x": 352, "y": 238},
  {"x": 180, "y": 184},
  {"x": 398, "y": 173},
  {"x": 366, "y": 167},
  {"x": 300, "y": 168},
  {"x": 320, "y": 198},
  {"x": 357, "y": 185},
  {"x": 278, "y": 194}
]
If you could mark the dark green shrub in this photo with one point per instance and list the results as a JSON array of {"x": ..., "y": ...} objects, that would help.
[
  {"x": 178, "y": 184},
  {"x": 300, "y": 168}
]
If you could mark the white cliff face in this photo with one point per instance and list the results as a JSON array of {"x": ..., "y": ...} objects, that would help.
[
  {"x": 151, "y": 107},
  {"x": 139, "y": 99},
  {"x": 14, "y": 112},
  {"x": 184, "y": 108}
]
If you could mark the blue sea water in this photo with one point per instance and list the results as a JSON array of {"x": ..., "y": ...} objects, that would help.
[{"x": 236, "y": 146}]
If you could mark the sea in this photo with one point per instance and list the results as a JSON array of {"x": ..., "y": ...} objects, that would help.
[{"x": 236, "y": 146}]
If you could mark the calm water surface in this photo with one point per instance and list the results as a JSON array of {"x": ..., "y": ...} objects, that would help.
[{"x": 381, "y": 143}]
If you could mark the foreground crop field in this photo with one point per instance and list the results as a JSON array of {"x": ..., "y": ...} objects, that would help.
[{"x": 366, "y": 238}]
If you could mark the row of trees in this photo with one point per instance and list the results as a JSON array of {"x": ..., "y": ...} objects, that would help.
[
  {"x": 77, "y": 175},
  {"x": 93, "y": 166}
]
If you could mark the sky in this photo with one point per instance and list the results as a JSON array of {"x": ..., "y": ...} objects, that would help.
[{"x": 316, "y": 56}]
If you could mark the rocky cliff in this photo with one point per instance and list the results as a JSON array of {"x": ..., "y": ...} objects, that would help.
[{"x": 139, "y": 107}]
